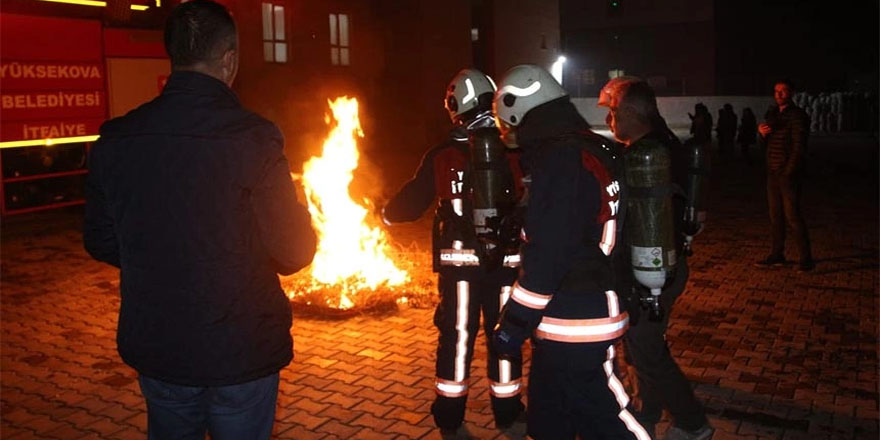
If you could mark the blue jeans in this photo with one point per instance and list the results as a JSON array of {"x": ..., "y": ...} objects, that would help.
[{"x": 241, "y": 411}]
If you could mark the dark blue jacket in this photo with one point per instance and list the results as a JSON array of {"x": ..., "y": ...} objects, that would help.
[
  {"x": 565, "y": 283},
  {"x": 190, "y": 196}
]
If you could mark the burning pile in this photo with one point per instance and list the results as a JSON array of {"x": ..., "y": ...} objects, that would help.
[{"x": 352, "y": 267}]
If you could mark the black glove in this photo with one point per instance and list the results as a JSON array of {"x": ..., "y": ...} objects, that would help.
[{"x": 509, "y": 335}]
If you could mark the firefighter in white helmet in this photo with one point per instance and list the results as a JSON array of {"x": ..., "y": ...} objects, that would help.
[
  {"x": 475, "y": 245},
  {"x": 564, "y": 297}
]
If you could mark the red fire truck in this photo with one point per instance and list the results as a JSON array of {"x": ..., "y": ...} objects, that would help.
[{"x": 65, "y": 67}]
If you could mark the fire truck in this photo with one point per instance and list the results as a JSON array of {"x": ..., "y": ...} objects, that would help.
[{"x": 65, "y": 67}]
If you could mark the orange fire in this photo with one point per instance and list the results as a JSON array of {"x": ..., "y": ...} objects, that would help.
[{"x": 352, "y": 256}]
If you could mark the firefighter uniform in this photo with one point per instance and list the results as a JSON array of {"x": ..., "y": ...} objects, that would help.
[
  {"x": 564, "y": 297},
  {"x": 467, "y": 285}
]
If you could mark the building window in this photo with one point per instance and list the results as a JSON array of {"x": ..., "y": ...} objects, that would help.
[
  {"x": 339, "y": 41},
  {"x": 274, "y": 41},
  {"x": 615, "y": 73}
]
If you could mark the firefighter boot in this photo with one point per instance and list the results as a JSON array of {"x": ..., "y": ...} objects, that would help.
[
  {"x": 507, "y": 410},
  {"x": 448, "y": 412}
]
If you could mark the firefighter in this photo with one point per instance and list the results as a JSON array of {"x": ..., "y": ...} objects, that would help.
[
  {"x": 564, "y": 297},
  {"x": 475, "y": 246},
  {"x": 635, "y": 121}
]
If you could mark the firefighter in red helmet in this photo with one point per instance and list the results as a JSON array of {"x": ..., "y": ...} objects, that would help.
[{"x": 477, "y": 183}]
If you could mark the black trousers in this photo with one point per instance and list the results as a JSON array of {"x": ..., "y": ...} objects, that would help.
[
  {"x": 573, "y": 391},
  {"x": 661, "y": 382},
  {"x": 464, "y": 295},
  {"x": 783, "y": 200}
]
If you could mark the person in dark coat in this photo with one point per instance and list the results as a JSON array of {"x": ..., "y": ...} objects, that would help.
[
  {"x": 785, "y": 131},
  {"x": 701, "y": 124},
  {"x": 190, "y": 196},
  {"x": 726, "y": 128},
  {"x": 661, "y": 383},
  {"x": 748, "y": 132},
  {"x": 564, "y": 298}
]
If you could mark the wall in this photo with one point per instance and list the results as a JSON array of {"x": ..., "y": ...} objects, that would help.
[
  {"x": 525, "y": 31},
  {"x": 671, "y": 44},
  {"x": 403, "y": 53},
  {"x": 675, "y": 109}
]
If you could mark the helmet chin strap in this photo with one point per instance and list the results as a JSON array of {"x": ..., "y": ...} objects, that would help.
[{"x": 482, "y": 120}]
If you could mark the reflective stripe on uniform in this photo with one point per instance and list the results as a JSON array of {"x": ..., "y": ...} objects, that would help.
[
  {"x": 613, "y": 303},
  {"x": 613, "y": 382},
  {"x": 458, "y": 207},
  {"x": 505, "y": 295},
  {"x": 582, "y": 330},
  {"x": 458, "y": 257},
  {"x": 622, "y": 399},
  {"x": 504, "y": 366},
  {"x": 530, "y": 299},
  {"x": 462, "y": 293},
  {"x": 609, "y": 232},
  {"x": 505, "y": 389},
  {"x": 468, "y": 257},
  {"x": 449, "y": 388}
]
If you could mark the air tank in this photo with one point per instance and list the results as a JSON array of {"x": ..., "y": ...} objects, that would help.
[{"x": 649, "y": 217}]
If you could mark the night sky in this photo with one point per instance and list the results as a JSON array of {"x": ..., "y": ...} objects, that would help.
[{"x": 821, "y": 45}]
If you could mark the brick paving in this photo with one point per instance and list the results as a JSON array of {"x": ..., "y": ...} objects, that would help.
[{"x": 774, "y": 354}]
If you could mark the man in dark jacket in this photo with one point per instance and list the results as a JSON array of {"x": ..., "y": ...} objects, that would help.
[
  {"x": 472, "y": 281},
  {"x": 636, "y": 122},
  {"x": 190, "y": 196},
  {"x": 785, "y": 130},
  {"x": 564, "y": 296}
]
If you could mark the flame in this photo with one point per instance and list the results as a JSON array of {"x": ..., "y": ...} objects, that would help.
[{"x": 351, "y": 256}]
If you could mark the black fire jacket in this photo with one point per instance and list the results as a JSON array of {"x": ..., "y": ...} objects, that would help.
[
  {"x": 444, "y": 175},
  {"x": 565, "y": 287},
  {"x": 191, "y": 197}
]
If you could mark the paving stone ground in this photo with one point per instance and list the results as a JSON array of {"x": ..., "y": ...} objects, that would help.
[{"x": 774, "y": 354}]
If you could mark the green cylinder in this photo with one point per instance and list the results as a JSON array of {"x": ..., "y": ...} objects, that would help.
[
  {"x": 649, "y": 216},
  {"x": 697, "y": 188},
  {"x": 493, "y": 190}
]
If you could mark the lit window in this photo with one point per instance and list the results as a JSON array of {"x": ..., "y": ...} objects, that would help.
[
  {"x": 615, "y": 73},
  {"x": 339, "y": 41},
  {"x": 274, "y": 41}
]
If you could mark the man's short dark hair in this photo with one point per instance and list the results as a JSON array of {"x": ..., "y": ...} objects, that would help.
[
  {"x": 787, "y": 83},
  {"x": 199, "y": 31}
]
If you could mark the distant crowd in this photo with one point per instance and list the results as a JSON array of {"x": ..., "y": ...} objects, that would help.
[{"x": 839, "y": 111}]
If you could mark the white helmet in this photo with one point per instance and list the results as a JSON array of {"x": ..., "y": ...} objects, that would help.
[
  {"x": 464, "y": 92},
  {"x": 523, "y": 88}
]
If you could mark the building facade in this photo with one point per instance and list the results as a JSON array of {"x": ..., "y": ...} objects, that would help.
[
  {"x": 395, "y": 56},
  {"x": 671, "y": 44}
]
